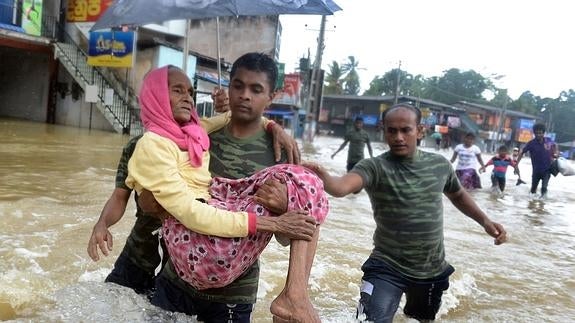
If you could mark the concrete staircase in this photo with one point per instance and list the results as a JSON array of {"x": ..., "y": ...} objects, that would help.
[{"x": 122, "y": 114}]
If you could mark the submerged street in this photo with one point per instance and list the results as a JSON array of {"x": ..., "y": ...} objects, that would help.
[{"x": 55, "y": 181}]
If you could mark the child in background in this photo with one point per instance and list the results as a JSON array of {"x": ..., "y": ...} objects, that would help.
[
  {"x": 514, "y": 156},
  {"x": 469, "y": 154},
  {"x": 500, "y": 163}
]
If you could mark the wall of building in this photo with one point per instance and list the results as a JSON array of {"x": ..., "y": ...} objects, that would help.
[
  {"x": 237, "y": 36},
  {"x": 24, "y": 84},
  {"x": 73, "y": 110}
]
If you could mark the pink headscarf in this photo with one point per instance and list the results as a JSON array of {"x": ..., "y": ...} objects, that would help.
[{"x": 158, "y": 118}]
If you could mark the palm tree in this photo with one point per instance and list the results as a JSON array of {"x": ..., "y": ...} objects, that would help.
[
  {"x": 333, "y": 79},
  {"x": 351, "y": 79}
]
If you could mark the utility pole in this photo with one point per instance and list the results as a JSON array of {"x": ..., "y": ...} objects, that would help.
[
  {"x": 186, "y": 48},
  {"x": 501, "y": 120},
  {"x": 315, "y": 87},
  {"x": 396, "y": 96}
]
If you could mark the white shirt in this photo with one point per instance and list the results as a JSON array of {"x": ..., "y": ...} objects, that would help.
[{"x": 467, "y": 156}]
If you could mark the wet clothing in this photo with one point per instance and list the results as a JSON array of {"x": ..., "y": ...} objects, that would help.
[
  {"x": 407, "y": 199},
  {"x": 469, "y": 178},
  {"x": 467, "y": 165},
  {"x": 544, "y": 178},
  {"x": 498, "y": 182},
  {"x": 467, "y": 156},
  {"x": 500, "y": 165},
  {"x": 161, "y": 167},
  {"x": 382, "y": 288},
  {"x": 541, "y": 154},
  {"x": 212, "y": 262},
  {"x": 234, "y": 158},
  {"x": 409, "y": 236},
  {"x": 357, "y": 141},
  {"x": 172, "y": 297},
  {"x": 350, "y": 166},
  {"x": 135, "y": 266}
]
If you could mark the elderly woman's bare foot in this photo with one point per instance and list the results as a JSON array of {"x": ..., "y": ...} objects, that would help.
[{"x": 296, "y": 308}]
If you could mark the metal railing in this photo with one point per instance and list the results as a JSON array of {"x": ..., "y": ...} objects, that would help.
[
  {"x": 123, "y": 110},
  {"x": 123, "y": 113}
]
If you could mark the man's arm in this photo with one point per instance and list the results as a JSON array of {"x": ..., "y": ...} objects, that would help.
[
  {"x": 337, "y": 186},
  {"x": 221, "y": 100},
  {"x": 368, "y": 142},
  {"x": 516, "y": 171},
  {"x": 555, "y": 150},
  {"x": 111, "y": 213},
  {"x": 464, "y": 203},
  {"x": 340, "y": 148}
]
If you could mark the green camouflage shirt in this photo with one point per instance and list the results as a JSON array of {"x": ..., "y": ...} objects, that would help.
[
  {"x": 406, "y": 196},
  {"x": 141, "y": 246},
  {"x": 232, "y": 157},
  {"x": 357, "y": 140}
]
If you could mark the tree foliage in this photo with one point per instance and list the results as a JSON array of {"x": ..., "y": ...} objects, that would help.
[
  {"x": 334, "y": 79},
  {"x": 455, "y": 85},
  {"x": 351, "y": 79},
  {"x": 387, "y": 84},
  {"x": 527, "y": 103}
]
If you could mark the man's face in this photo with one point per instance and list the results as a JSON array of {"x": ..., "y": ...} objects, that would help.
[
  {"x": 402, "y": 132},
  {"x": 181, "y": 96},
  {"x": 358, "y": 124},
  {"x": 539, "y": 134},
  {"x": 250, "y": 95}
]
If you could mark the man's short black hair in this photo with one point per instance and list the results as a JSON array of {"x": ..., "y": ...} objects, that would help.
[
  {"x": 257, "y": 62},
  {"x": 539, "y": 127},
  {"x": 358, "y": 119},
  {"x": 410, "y": 107}
]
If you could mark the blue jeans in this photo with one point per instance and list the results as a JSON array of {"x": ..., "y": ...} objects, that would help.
[{"x": 382, "y": 288}]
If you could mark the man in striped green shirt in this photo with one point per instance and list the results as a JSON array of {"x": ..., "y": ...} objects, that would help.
[{"x": 406, "y": 186}]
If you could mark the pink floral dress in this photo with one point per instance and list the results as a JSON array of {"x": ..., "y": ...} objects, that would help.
[{"x": 212, "y": 262}]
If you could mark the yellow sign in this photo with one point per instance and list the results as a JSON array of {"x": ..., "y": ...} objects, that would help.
[
  {"x": 382, "y": 107},
  {"x": 425, "y": 112},
  {"x": 112, "y": 49},
  {"x": 524, "y": 135}
]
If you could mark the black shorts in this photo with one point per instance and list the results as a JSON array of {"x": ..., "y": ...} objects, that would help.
[
  {"x": 128, "y": 274},
  {"x": 172, "y": 298},
  {"x": 350, "y": 165}
]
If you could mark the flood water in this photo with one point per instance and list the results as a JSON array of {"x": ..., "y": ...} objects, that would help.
[{"x": 54, "y": 181}]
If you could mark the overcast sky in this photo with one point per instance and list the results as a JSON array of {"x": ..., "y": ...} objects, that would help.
[{"x": 530, "y": 42}]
